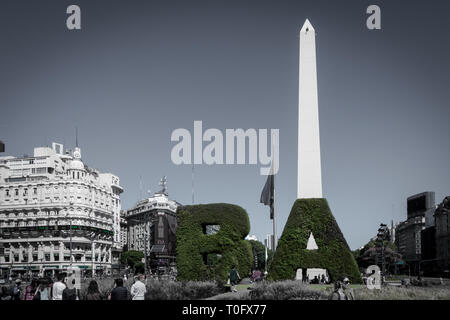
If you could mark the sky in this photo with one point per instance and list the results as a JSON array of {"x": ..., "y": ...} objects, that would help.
[{"x": 137, "y": 70}]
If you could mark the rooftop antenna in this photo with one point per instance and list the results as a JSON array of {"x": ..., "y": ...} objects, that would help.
[
  {"x": 76, "y": 137},
  {"x": 140, "y": 187}
]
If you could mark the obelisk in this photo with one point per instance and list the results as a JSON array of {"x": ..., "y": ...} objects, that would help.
[
  {"x": 309, "y": 180},
  {"x": 311, "y": 215}
]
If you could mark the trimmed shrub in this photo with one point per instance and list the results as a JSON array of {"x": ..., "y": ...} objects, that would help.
[
  {"x": 193, "y": 245},
  {"x": 313, "y": 215},
  {"x": 286, "y": 290},
  {"x": 173, "y": 290}
]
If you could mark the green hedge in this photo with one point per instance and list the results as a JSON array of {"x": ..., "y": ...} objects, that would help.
[
  {"x": 193, "y": 244},
  {"x": 313, "y": 215}
]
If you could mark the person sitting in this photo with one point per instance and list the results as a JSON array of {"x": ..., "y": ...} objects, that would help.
[{"x": 315, "y": 280}]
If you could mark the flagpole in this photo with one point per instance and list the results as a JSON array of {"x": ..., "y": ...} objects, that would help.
[
  {"x": 274, "y": 220},
  {"x": 272, "y": 208}
]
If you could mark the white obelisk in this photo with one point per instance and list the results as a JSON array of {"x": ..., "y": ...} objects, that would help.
[{"x": 309, "y": 182}]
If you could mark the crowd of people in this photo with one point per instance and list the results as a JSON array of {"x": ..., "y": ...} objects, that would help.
[{"x": 65, "y": 289}]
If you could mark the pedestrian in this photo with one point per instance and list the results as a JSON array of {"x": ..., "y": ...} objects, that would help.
[
  {"x": 348, "y": 291},
  {"x": 92, "y": 292},
  {"x": 30, "y": 290},
  {"x": 138, "y": 289},
  {"x": 58, "y": 287},
  {"x": 256, "y": 276},
  {"x": 125, "y": 277},
  {"x": 17, "y": 290},
  {"x": 119, "y": 292},
  {"x": 43, "y": 291},
  {"x": 234, "y": 278},
  {"x": 6, "y": 294},
  {"x": 70, "y": 292},
  {"x": 338, "y": 293}
]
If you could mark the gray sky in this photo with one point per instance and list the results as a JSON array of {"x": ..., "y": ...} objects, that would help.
[{"x": 140, "y": 69}]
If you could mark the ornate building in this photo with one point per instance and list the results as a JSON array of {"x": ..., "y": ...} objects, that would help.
[
  {"x": 56, "y": 211},
  {"x": 151, "y": 226}
]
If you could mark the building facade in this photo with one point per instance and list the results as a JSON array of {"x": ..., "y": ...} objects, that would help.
[
  {"x": 56, "y": 211},
  {"x": 151, "y": 226},
  {"x": 443, "y": 236},
  {"x": 408, "y": 234},
  {"x": 123, "y": 230}
]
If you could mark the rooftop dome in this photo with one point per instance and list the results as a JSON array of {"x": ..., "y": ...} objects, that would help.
[{"x": 76, "y": 164}]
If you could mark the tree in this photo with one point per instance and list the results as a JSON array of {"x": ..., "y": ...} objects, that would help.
[
  {"x": 259, "y": 254},
  {"x": 370, "y": 254},
  {"x": 133, "y": 259}
]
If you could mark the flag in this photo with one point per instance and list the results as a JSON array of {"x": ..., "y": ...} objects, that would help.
[{"x": 267, "y": 194}]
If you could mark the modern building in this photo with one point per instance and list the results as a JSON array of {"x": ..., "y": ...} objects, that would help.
[
  {"x": 151, "y": 226},
  {"x": 408, "y": 234},
  {"x": 442, "y": 218},
  {"x": 56, "y": 211}
]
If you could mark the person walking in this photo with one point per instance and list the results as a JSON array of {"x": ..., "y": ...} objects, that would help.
[
  {"x": 58, "y": 288},
  {"x": 119, "y": 292},
  {"x": 234, "y": 278},
  {"x": 92, "y": 292},
  {"x": 138, "y": 289}
]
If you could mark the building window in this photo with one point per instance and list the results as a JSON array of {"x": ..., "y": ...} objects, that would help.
[
  {"x": 16, "y": 192},
  {"x": 34, "y": 190}
]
